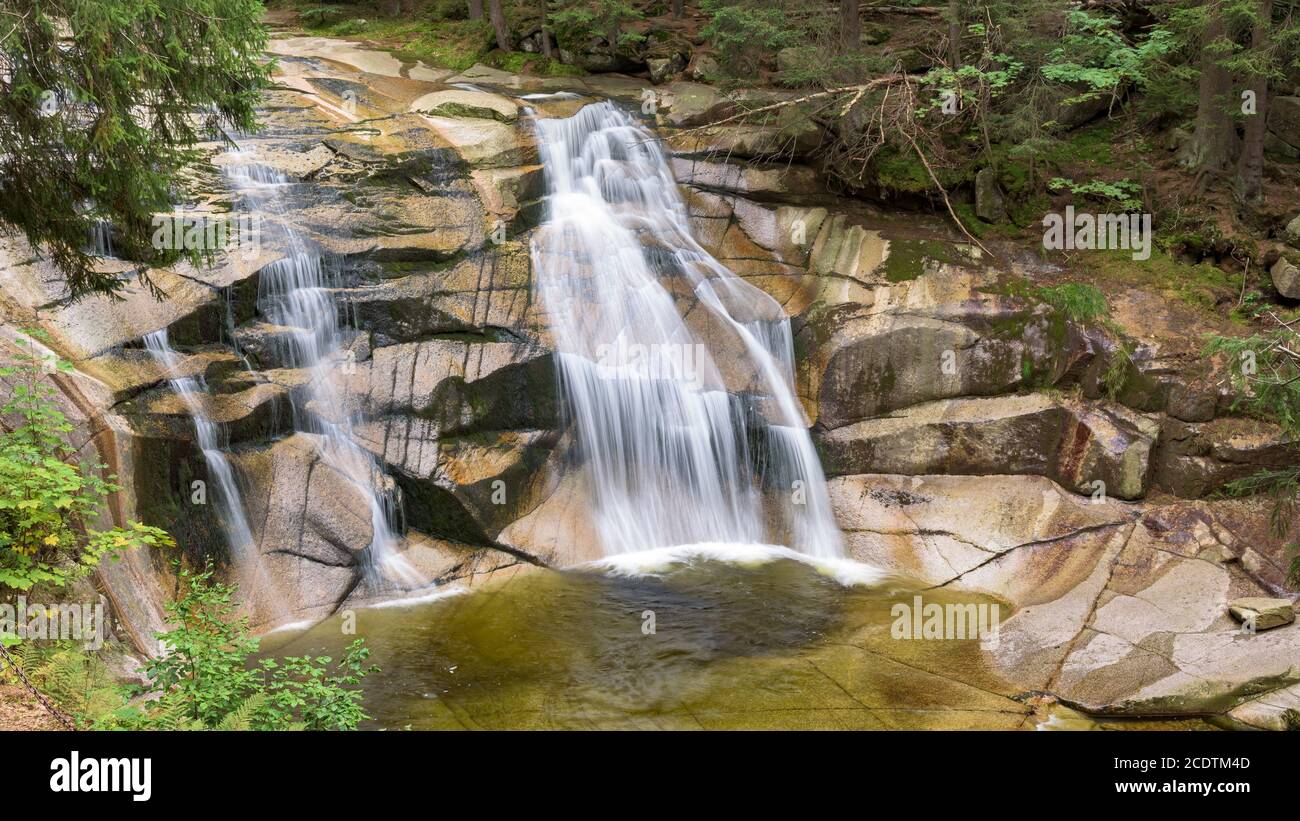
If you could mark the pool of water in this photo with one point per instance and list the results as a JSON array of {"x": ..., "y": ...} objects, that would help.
[{"x": 696, "y": 642}]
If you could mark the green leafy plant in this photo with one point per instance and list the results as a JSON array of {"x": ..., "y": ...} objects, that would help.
[
  {"x": 1076, "y": 301},
  {"x": 582, "y": 21},
  {"x": 1266, "y": 374},
  {"x": 1125, "y": 194},
  {"x": 745, "y": 33},
  {"x": 207, "y": 678},
  {"x": 78, "y": 682},
  {"x": 1094, "y": 54},
  {"x": 49, "y": 504}
]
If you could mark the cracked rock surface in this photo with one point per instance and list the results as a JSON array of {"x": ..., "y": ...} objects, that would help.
[{"x": 972, "y": 443}]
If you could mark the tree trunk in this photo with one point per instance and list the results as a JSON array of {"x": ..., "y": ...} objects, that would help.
[
  {"x": 679, "y": 9},
  {"x": 1250, "y": 169},
  {"x": 545, "y": 33},
  {"x": 499, "y": 24},
  {"x": 850, "y": 26},
  {"x": 954, "y": 34},
  {"x": 1215, "y": 136},
  {"x": 476, "y": 9}
]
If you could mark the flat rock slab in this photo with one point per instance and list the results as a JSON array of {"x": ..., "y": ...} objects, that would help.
[{"x": 459, "y": 102}]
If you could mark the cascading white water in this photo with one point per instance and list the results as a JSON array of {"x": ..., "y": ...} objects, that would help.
[
  {"x": 677, "y": 374},
  {"x": 100, "y": 243},
  {"x": 211, "y": 441},
  {"x": 296, "y": 292}
]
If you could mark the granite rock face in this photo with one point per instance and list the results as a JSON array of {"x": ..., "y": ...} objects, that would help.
[{"x": 973, "y": 435}]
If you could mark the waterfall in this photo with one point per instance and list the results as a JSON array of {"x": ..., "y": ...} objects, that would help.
[
  {"x": 677, "y": 375},
  {"x": 296, "y": 292},
  {"x": 100, "y": 242},
  {"x": 226, "y": 496}
]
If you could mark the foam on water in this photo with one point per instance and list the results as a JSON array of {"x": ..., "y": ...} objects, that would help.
[{"x": 665, "y": 560}]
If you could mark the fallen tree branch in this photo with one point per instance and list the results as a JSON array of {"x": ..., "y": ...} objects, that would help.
[
  {"x": 859, "y": 89},
  {"x": 944, "y": 193}
]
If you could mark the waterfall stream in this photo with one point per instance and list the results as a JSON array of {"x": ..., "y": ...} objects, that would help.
[
  {"x": 677, "y": 374},
  {"x": 227, "y": 498},
  {"x": 296, "y": 293}
]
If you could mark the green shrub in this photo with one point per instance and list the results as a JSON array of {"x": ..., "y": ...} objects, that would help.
[
  {"x": 448, "y": 10},
  {"x": 318, "y": 16},
  {"x": 747, "y": 32},
  {"x": 48, "y": 504},
  {"x": 1076, "y": 301},
  {"x": 207, "y": 679}
]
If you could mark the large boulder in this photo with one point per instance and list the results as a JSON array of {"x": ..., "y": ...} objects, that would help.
[
  {"x": 1286, "y": 278},
  {"x": 1261, "y": 612},
  {"x": 685, "y": 104},
  {"x": 754, "y": 181},
  {"x": 937, "y": 529},
  {"x": 1090, "y": 449},
  {"x": 945, "y": 334},
  {"x": 1197, "y": 459}
]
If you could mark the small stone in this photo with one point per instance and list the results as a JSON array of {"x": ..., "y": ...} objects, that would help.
[{"x": 1263, "y": 613}]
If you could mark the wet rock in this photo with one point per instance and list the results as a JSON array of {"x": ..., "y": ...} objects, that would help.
[
  {"x": 486, "y": 143},
  {"x": 250, "y": 414},
  {"x": 846, "y": 250},
  {"x": 458, "y": 387},
  {"x": 685, "y": 104},
  {"x": 299, "y": 165},
  {"x": 939, "y": 529},
  {"x": 942, "y": 335},
  {"x": 793, "y": 135},
  {"x": 487, "y": 294},
  {"x": 703, "y": 68},
  {"x": 1278, "y": 709},
  {"x": 559, "y": 529},
  {"x": 94, "y": 324},
  {"x": 1262, "y": 613}
]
